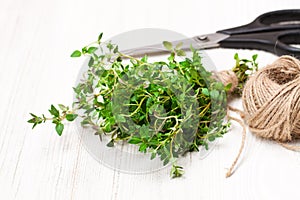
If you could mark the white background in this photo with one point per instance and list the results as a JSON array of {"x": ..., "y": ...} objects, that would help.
[{"x": 36, "y": 39}]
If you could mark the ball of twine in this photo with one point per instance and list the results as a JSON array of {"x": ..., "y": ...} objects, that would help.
[{"x": 271, "y": 100}]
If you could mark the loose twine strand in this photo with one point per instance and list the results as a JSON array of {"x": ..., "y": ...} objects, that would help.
[
  {"x": 230, "y": 170},
  {"x": 271, "y": 102}
]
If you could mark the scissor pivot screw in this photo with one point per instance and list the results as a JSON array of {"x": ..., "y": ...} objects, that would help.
[{"x": 203, "y": 37}]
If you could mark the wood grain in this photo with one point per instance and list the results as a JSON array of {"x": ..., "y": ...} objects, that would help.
[{"x": 37, "y": 37}]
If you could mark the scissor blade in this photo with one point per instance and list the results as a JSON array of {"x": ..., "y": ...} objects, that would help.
[{"x": 198, "y": 42}]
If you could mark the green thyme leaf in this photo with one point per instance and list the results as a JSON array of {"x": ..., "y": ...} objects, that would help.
[
  {"x": 168, "y": 45},
  {"x": 63, "y": 107},
  {"x": 228, "y": 87},
  {"x": 176, "y": 171},
  {"x": 111, "y": 143},
  {"x": 179, "y": 45},
  {"x": 31, "y": 120},
  {"x": 84, "y": 50},
  {"x": 76, "y": 53},
  {"x": 100, "y": 37},
  {"x": 116, "y": 49},
  {"x": 134, "y": 140},
  {"x": 205, "y": 91},
  {"x": 59, "y": 128},
  {"x": 254, "y": 57},
  {"x": 91, "y": 50},
  {"x": 143, "y": 147},
  {"x": 33, "y": 115},
  {"x": 71, "y": 117},
  {"x": 181, "y": 53},
  {"x": 153, "y": 155},
  {"x": 53, "y": 111},
  {"x": 91, "y": 62}
]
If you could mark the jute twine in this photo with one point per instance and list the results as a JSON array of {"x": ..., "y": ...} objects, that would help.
[{"x": 271, "y": 102}]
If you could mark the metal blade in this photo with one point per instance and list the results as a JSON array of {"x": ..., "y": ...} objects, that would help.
[{"x": 198, "y": 42}]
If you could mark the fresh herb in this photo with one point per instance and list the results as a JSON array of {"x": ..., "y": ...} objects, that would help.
[
  {"x": 166, "y": 108},
  {"x": 243, "y": 69}
]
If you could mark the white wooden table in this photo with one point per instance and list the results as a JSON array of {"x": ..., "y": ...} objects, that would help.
[{"x": 36, "y": 39}]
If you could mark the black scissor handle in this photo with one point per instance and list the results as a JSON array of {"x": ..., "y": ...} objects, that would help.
[
  {"x": 271, "y": 21},
  {"x": 276, "y": 42}
]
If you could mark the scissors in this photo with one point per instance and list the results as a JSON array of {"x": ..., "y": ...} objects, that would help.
[{"x": 274, "y": 32}]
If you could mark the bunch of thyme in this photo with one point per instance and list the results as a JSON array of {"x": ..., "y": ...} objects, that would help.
[{"x": 165, "y": 108}]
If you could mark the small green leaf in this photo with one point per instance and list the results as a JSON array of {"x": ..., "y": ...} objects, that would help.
[
  {"x": 111, "y": 143},
  {"x": 211, "y": 138},
  {"x": 107, "y": 127},
  {"x": 91, "y": 50},
  {"x": 76, "y": 53},
  {"x": 34, "y": 125},
  {"x": 100, "y": 37},
  {"x": 228, "y": 87},
  {"x": 91, "y": 62},
  {"x": 31, "y": 121},
  {"x": 166, "y": 161},
  {"x": 254, "y": 57},
  {"x": 84, "y": 50},
  {"x": 143, "y": 147},
  {"x": 110, "y": 46},
  {"x": 59, "y": 128},
  {"x": 236, "y": 56},
  {"x": 116, "y": 49},
  {"x": 214, "y": 94},
  {"x": 176, "y": 171},
  {"x": 206, "y": 146},
  {"x": 85, "y": 121},
  {"x": 181, "y": 53},
  {"x": 33, "y": 115},
  {"x": 119, "y": 59},
  {"x": 153, "y": 155},
  {"x": 145, "y": 58},
  {"x": 134, "y": 140},
  {"x": 71, "y": 117},
  {"x": 120, "y": 118},
  {"x": 179, "y": 45},
  {"x": 63, "y": 107},
  {"x": 205, "y": 91},
  {"x": 144, "y": 131},
  {"x": 168, "y": 45},
  {"x": 53, "y": 111}
]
